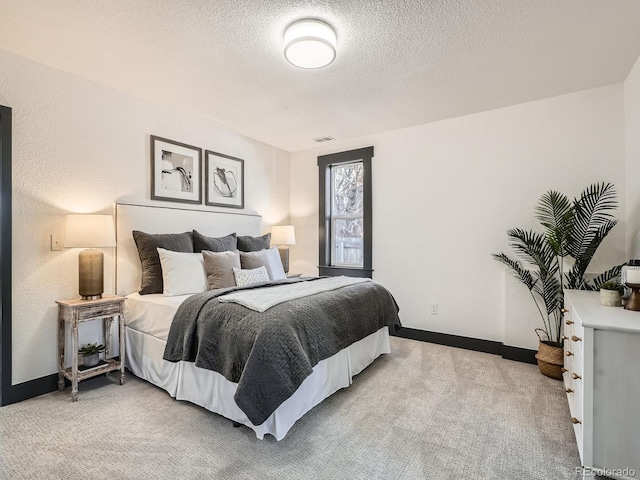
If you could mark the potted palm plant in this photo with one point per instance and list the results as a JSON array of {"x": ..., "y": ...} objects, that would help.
[
  {"x": 91, "y": 354},
  {"x": 558, "y": 258}
]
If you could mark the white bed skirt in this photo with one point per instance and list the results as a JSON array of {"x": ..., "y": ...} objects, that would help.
[{"x": 185, "y": 381}]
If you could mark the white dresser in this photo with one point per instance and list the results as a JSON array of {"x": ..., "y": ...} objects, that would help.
[{"x": 602, "y": 381}]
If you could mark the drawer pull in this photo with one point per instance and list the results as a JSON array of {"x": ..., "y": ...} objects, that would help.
[
  {"x": 564, "y": 310},
  {"x": 563, "y": 370},
  {"x": 568, "y": 354},
  {"x": 569, "y": 322},
  {"x": 575, "y": 376},
  {"x": 568, "y": 390},
  {"x": 575, "y": 421},
  {"x": 564, "y": 337},
  {"x": 576, "y": 339}
]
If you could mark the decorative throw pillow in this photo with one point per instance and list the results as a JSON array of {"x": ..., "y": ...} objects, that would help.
[
  {"x": 182, "y": 273},
  {"x": 148, "y": 244},
  {"x": 219, "y": 266},
  {"x": 253, "y": 244},
  {"x": 270, "y": 259},
  {"x": 249, "y": 277},
  {"x": 214, "y": 244}
]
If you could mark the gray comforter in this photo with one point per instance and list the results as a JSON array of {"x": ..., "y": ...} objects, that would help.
[{"x": 270, "y": 354}]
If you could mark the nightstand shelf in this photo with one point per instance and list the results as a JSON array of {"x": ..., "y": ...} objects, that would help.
[
  {"x": 109, "y": 365},
  {"x": 76, "y": 311}
]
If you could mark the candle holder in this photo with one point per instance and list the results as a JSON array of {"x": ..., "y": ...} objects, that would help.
[{"x": 633, "y": 302}]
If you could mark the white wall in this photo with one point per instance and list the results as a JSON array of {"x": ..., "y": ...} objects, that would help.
[
  {"x": 78, "y": 147},
  {"x": 445, "y": 193},
  {"x": 632, "y": 127}
]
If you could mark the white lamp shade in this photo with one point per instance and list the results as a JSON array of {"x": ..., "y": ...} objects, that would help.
[
  {"x": 89, "y": 231},
  {"x": 310, "y": 43},
  {"x": 283, "y": 235}
]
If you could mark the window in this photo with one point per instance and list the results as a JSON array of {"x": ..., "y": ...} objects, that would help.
[{"x": 345, "y": 213}]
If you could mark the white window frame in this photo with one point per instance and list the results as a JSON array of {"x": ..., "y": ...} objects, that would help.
[{"x": 341, "y": 216}]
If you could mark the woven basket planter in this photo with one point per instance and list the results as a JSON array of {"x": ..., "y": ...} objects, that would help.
[{"x": 550, "y": 358}]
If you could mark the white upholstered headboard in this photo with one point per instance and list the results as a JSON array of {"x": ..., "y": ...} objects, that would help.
[{"x": 160, "y": 219}]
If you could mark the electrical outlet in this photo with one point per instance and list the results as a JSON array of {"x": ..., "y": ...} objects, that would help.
[
  {"x": 56, "y": 243},
  {"x": 434, "y": 309}
]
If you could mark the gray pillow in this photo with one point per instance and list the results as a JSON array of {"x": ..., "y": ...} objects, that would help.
[
  {"x": 214, "y": 244},
  {"x": 219, "y": 268},
  {"x": 269, "y": 258},
  {"x": 148, "y": 245},
  {"x": 253, "y": 244}
]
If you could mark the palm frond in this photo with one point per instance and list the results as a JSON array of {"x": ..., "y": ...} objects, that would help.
[
  {"x": 533, "y": 247},
  {"x": 605, "y": 277},
  {"x": 590, "y": 212},
  {"x": 573, "y": 279},
  {"x": 516, "y": 267},
  {"x": 552, "y": 293},
  {"x": 582, "y": 262},
  {"x": 555, "y": 212}
]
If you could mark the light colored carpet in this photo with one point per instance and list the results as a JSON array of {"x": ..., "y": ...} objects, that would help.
[{"x": 424, "y": 412}]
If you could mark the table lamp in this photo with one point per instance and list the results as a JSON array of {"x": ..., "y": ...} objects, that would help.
[
  {"x": 90, "y": 232},
  {"x": 283, "y": 235}
]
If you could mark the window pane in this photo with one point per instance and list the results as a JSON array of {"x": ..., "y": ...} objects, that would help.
[
  {"x": 347, "y": 244},
  {"x": 348, "y": 196}
]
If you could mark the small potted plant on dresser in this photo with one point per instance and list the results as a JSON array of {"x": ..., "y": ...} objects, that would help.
[
  {"x": 611, "y": 294},
  {"x": 91, "y": 354}
]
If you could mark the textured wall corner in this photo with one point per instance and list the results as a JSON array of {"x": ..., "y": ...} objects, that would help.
[{"x": 78, "y": 147}]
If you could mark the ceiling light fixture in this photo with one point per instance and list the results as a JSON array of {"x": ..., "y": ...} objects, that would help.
[{"x": 310, "y": 43}]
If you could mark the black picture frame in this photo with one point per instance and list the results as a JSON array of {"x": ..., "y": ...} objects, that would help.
[
  {"x": 224, "y": 180},
  {"x": 176, "y": 171}
]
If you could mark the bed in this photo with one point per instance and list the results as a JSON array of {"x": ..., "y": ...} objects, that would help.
[{"x": 149, "y": 318}]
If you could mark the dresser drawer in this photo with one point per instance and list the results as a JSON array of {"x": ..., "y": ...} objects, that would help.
[
  {"x": 577, "y": 430},
  {"x": 572, "y": 324},
  {"x": 98, "y": 311},
  {"x": 573, "y": 357},
  {"x": 574, "y": 398},
  {"x": 89, "y": 311}
]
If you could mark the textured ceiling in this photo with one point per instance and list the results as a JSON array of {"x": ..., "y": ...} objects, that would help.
[{"x": 399, "y": 63}]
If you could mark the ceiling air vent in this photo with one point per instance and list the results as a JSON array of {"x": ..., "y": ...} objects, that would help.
[{"x": 323, "y": 139}]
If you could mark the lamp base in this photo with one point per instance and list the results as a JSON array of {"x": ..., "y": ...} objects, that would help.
[
  {"x": 284, "y": 257},
  {"x": 90, "y": 297},
  {"x": 91, "y": 274},
  {"x": 633, "y": 302}
]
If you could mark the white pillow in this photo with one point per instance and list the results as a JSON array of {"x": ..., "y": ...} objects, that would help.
[
  {"x": 269, "y": 258},
  {"x": 275, "y": 264},
  {"x": 182, "y": 273},
  {"x": 251, "y": 276}
]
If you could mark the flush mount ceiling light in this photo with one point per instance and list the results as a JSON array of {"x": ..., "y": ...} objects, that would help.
[{"x": 310, "y": 43}]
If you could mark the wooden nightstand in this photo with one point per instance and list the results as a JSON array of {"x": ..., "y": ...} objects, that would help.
[{"x": 76, "y": 311}]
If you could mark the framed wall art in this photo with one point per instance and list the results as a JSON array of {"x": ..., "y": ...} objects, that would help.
[
  {"x": 176, "y": 171},
  {"x": 224, "y": 185}
]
